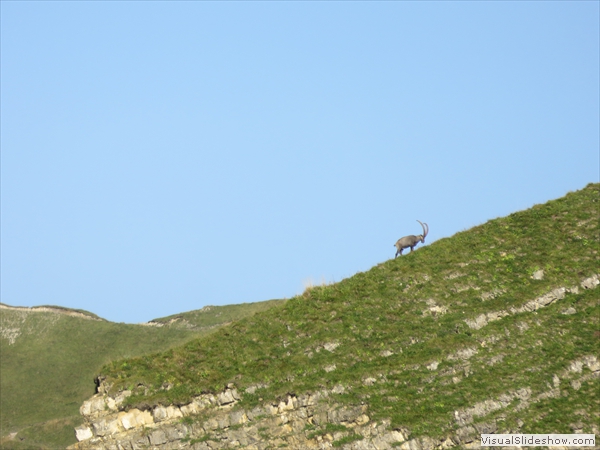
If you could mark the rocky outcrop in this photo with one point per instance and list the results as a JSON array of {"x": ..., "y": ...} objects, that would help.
[
  {"x": 532, "y": 305},
  {"x": 215, "y": 422},
  {"x": 309, "y": 421}
]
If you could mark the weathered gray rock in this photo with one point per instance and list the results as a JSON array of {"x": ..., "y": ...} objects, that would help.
[
  {"x": 370, "y": 381},
  {"x": 228, "y": 397},
  {"x": 161, "y": 413},
  {"x": 532, "y": 305},
  {"x": 591, "y": 282},
  {"x": 538, "y": 274},
  {"x": 136, "y": 419},
  {"x": 94, "y": 406},
  {"x": 106, "y": 427},
  {"x": 331, "y": 346},
  {"x": 83, "y": 433},
  {"x": 158, "y": 437}
]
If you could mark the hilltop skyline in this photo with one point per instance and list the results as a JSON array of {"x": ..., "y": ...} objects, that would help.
[{"x": 160, "y": 157}]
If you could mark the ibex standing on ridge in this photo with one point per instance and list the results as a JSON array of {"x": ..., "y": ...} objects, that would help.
[{"x": 411, "y": 241}]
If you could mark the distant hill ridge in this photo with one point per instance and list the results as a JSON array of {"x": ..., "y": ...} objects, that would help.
[
  {"x": 54, "y": 309},
  {"x": 51, "y": 355}
]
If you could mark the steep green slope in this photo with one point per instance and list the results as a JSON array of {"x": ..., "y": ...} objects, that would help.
[
  {"x": 50, "y": 356},
  {"x": 494, "y": 315}
]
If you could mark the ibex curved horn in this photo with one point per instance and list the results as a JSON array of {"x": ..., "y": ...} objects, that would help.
[{"x": 425, "y": 229}]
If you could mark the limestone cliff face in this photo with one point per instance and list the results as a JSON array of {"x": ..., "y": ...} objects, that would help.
[
  {"x": 215, "y": 422},
  {"x": 309, "y": 421}
]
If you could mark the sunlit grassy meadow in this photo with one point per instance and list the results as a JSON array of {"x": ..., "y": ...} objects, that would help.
[{"x": 397, "y": 337}]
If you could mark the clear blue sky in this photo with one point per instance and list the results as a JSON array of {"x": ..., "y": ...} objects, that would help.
[{"x": 160, "y": 156}]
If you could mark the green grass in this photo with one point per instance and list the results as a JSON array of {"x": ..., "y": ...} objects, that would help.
[
  {"x": 50, "y": 368},
  {"x": 62, "y": 309},
  {"x": 215, "y": 316},
  {"x": 389, "y": 324},
  {"x": 388, "y": 309}
]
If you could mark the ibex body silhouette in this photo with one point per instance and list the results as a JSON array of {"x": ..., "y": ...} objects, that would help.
[{"x": 411, "y": 241}]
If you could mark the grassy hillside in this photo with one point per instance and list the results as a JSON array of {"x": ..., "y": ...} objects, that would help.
[
  {"x": 454, "y": 325},
  {"x": 50, "y": 356}
]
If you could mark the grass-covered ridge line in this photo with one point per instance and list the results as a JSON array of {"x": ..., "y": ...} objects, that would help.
[
  {"x": 54, "y": 309},
  {"x": 214, "y": 316},
  {"x": 397, "y": 336}
]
